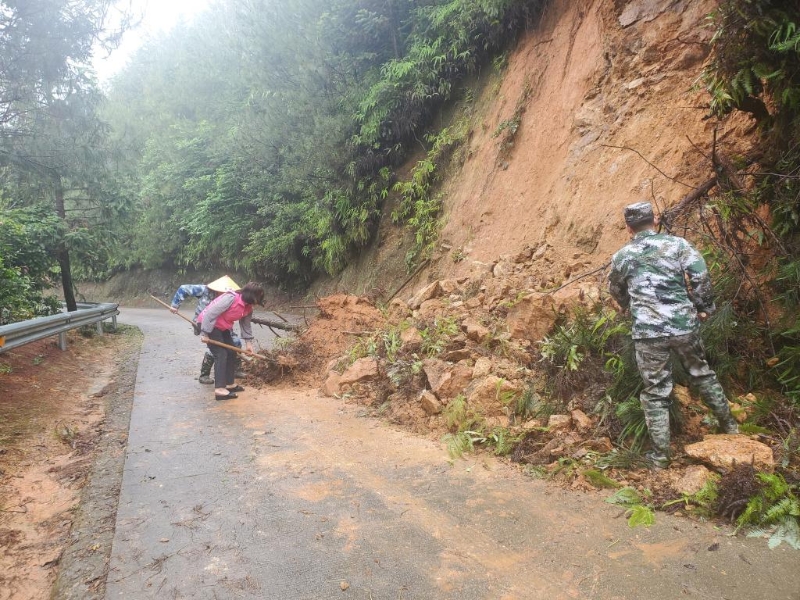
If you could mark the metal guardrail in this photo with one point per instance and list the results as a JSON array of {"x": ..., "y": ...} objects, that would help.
[{"x": 24, "y": 332}]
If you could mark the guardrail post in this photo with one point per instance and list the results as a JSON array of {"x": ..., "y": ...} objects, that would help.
[
  {"x": 114, "y": 322},
  {"x": 99, "y": 326},
  {"x": 62, "y": 340}
]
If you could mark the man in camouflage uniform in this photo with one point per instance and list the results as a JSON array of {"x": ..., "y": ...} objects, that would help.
[
  {"x": 649, "y": 276},
  {"x": 205, "y": 294}
]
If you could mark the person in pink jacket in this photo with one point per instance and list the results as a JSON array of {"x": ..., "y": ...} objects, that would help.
[{"x": 216, "y": 323}]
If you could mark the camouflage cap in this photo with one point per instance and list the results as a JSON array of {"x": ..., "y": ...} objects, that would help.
[{"x": 640, "y": 212}]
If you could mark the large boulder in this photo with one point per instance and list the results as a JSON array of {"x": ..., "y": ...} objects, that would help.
[
  {"x": 430, "y": 403},
  {"x": 503, "y": 268},
  {"x": 582, "y": 421},
  {"x": 430, "y": 291},
  {"x": 532, "y": 317},
  {"x": 487, "y": 395},
  {"x": 431, "y": 309},
  {"x": 458, "y": 355},
  {"x": 557, "y": 423},
  {"x": 449, "y": 287},
  {"x": 483, "y": 367},
  {"x": 331, "y": 387},
  {"x": 363, "y": 370},
  {"x": 578, "y": 295},
  {"x": 398, "y": 310},
  {"x": 411, "y": 339},
  {"x": 446, "y": 381},
  {"x": 475, "y": 331},
  {"x": 693, "y": 480},
  {"x": 725, "y": 450}
]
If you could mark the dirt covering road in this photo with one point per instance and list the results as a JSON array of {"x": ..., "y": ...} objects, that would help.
[{"x": 283, "y": 493}]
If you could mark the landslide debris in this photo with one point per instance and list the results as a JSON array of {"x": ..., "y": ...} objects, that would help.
[{"x": 461, "y": 359}]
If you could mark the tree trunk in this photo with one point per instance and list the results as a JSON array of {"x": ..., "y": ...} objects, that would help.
[
  {"x": 276, "y": 324},
  {"x": 63, "y": 252}
]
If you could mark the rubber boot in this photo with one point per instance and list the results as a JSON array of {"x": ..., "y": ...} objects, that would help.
[
  {"x": 657, "y": 459},
  {"x": 727, "y": 423},
  {"x": 205, "y": 369},
  {"x": 239, "y": 374}
]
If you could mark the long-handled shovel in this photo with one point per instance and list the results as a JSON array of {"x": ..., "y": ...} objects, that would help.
[{"x": 213, "y": 342}]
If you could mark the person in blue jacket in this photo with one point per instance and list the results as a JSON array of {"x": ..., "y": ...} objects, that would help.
[{"x": 205, "y": 294}]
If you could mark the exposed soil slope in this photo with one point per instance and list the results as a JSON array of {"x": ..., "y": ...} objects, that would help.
[{"x": 607, "y": 111}]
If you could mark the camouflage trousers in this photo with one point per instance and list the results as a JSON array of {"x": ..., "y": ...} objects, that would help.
[{"x": 654, "y": 359}]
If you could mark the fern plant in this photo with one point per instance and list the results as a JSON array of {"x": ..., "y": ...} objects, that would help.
[
  {"x": 637, "y": 511},
  {"x": 774, "y": 510},
  {"x": 702, "y": 501}
]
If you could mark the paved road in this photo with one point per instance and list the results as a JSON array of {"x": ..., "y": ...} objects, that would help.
[{"x": 283, "y": 494}]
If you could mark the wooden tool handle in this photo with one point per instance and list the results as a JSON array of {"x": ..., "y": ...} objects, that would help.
[
  {"x": 213, "y": 342},
  {"x": 235, "y": 349},
  {"x": 164, "y": 304}
]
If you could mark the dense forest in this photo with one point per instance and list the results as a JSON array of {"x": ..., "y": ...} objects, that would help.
[{"x": 261, "y": 137}]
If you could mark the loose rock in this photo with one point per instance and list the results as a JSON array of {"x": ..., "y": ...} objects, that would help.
[{"x": 723, "y": 451}]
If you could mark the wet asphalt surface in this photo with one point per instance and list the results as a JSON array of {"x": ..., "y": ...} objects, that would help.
[{"x": 284, "y": 494}]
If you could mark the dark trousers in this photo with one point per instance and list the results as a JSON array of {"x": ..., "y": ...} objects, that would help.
[{"x": 224, "y": 359}]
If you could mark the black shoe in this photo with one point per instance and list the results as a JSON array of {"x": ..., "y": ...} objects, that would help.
[
  {"x": 225, "y": 396},
  {"x": 236, "y": 388}
]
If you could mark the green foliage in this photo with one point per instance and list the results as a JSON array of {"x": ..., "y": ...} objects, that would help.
[
  {"x": 702, "y": 502},
  {"x": 590, "y": 332},
  {"x": 281, "y": 167},
  {"x": 776, "y": 505},
  {"x": 458, "y": 443},
  {"x": 528, "y": 403},
  {"x": 621, "y": 458},
  {"x": 27, "y": 265},
  {"x": 756, "y": 57},
  {"x": 599, "y": 479},
  {"x": 592, "y": 347},
  {"x": 626, "y": 496},
  {"x": 507, "y": 128},
  {"x": 436, "y": 337},
  {"x": 459, "y": 416},
  {"x": 420, "y": 203},
  {"x": 638, "y": 512},
  {"x": 462, "y": 442},
  {"x": 634, "y": 426}
]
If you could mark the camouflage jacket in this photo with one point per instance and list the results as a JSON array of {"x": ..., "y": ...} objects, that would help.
[
  {"x": 650, "y": 276},
  {"x": 203, "y": 294}
]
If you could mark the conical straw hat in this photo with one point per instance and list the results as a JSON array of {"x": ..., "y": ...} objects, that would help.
[{"x": 224, "y": 284}]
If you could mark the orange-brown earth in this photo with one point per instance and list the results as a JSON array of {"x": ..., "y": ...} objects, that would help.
[{"x": 53, "y": 405}]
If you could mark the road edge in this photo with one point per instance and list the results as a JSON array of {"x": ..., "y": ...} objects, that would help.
[{"x": 84, "y": 562}]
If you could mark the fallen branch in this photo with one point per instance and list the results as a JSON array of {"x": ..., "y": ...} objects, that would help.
[
  {"x": 579, "y": 277},
  {"x": 286, "y": 326},
  {"x": 405, "y": 283},
  {"x": 688, "y": 200},
  {"x": 678, "y": 181}
]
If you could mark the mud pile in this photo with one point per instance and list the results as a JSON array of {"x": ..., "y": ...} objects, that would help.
[
  {"x": 462, "y": 358},
  {"x": 339, "y": 320}
]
